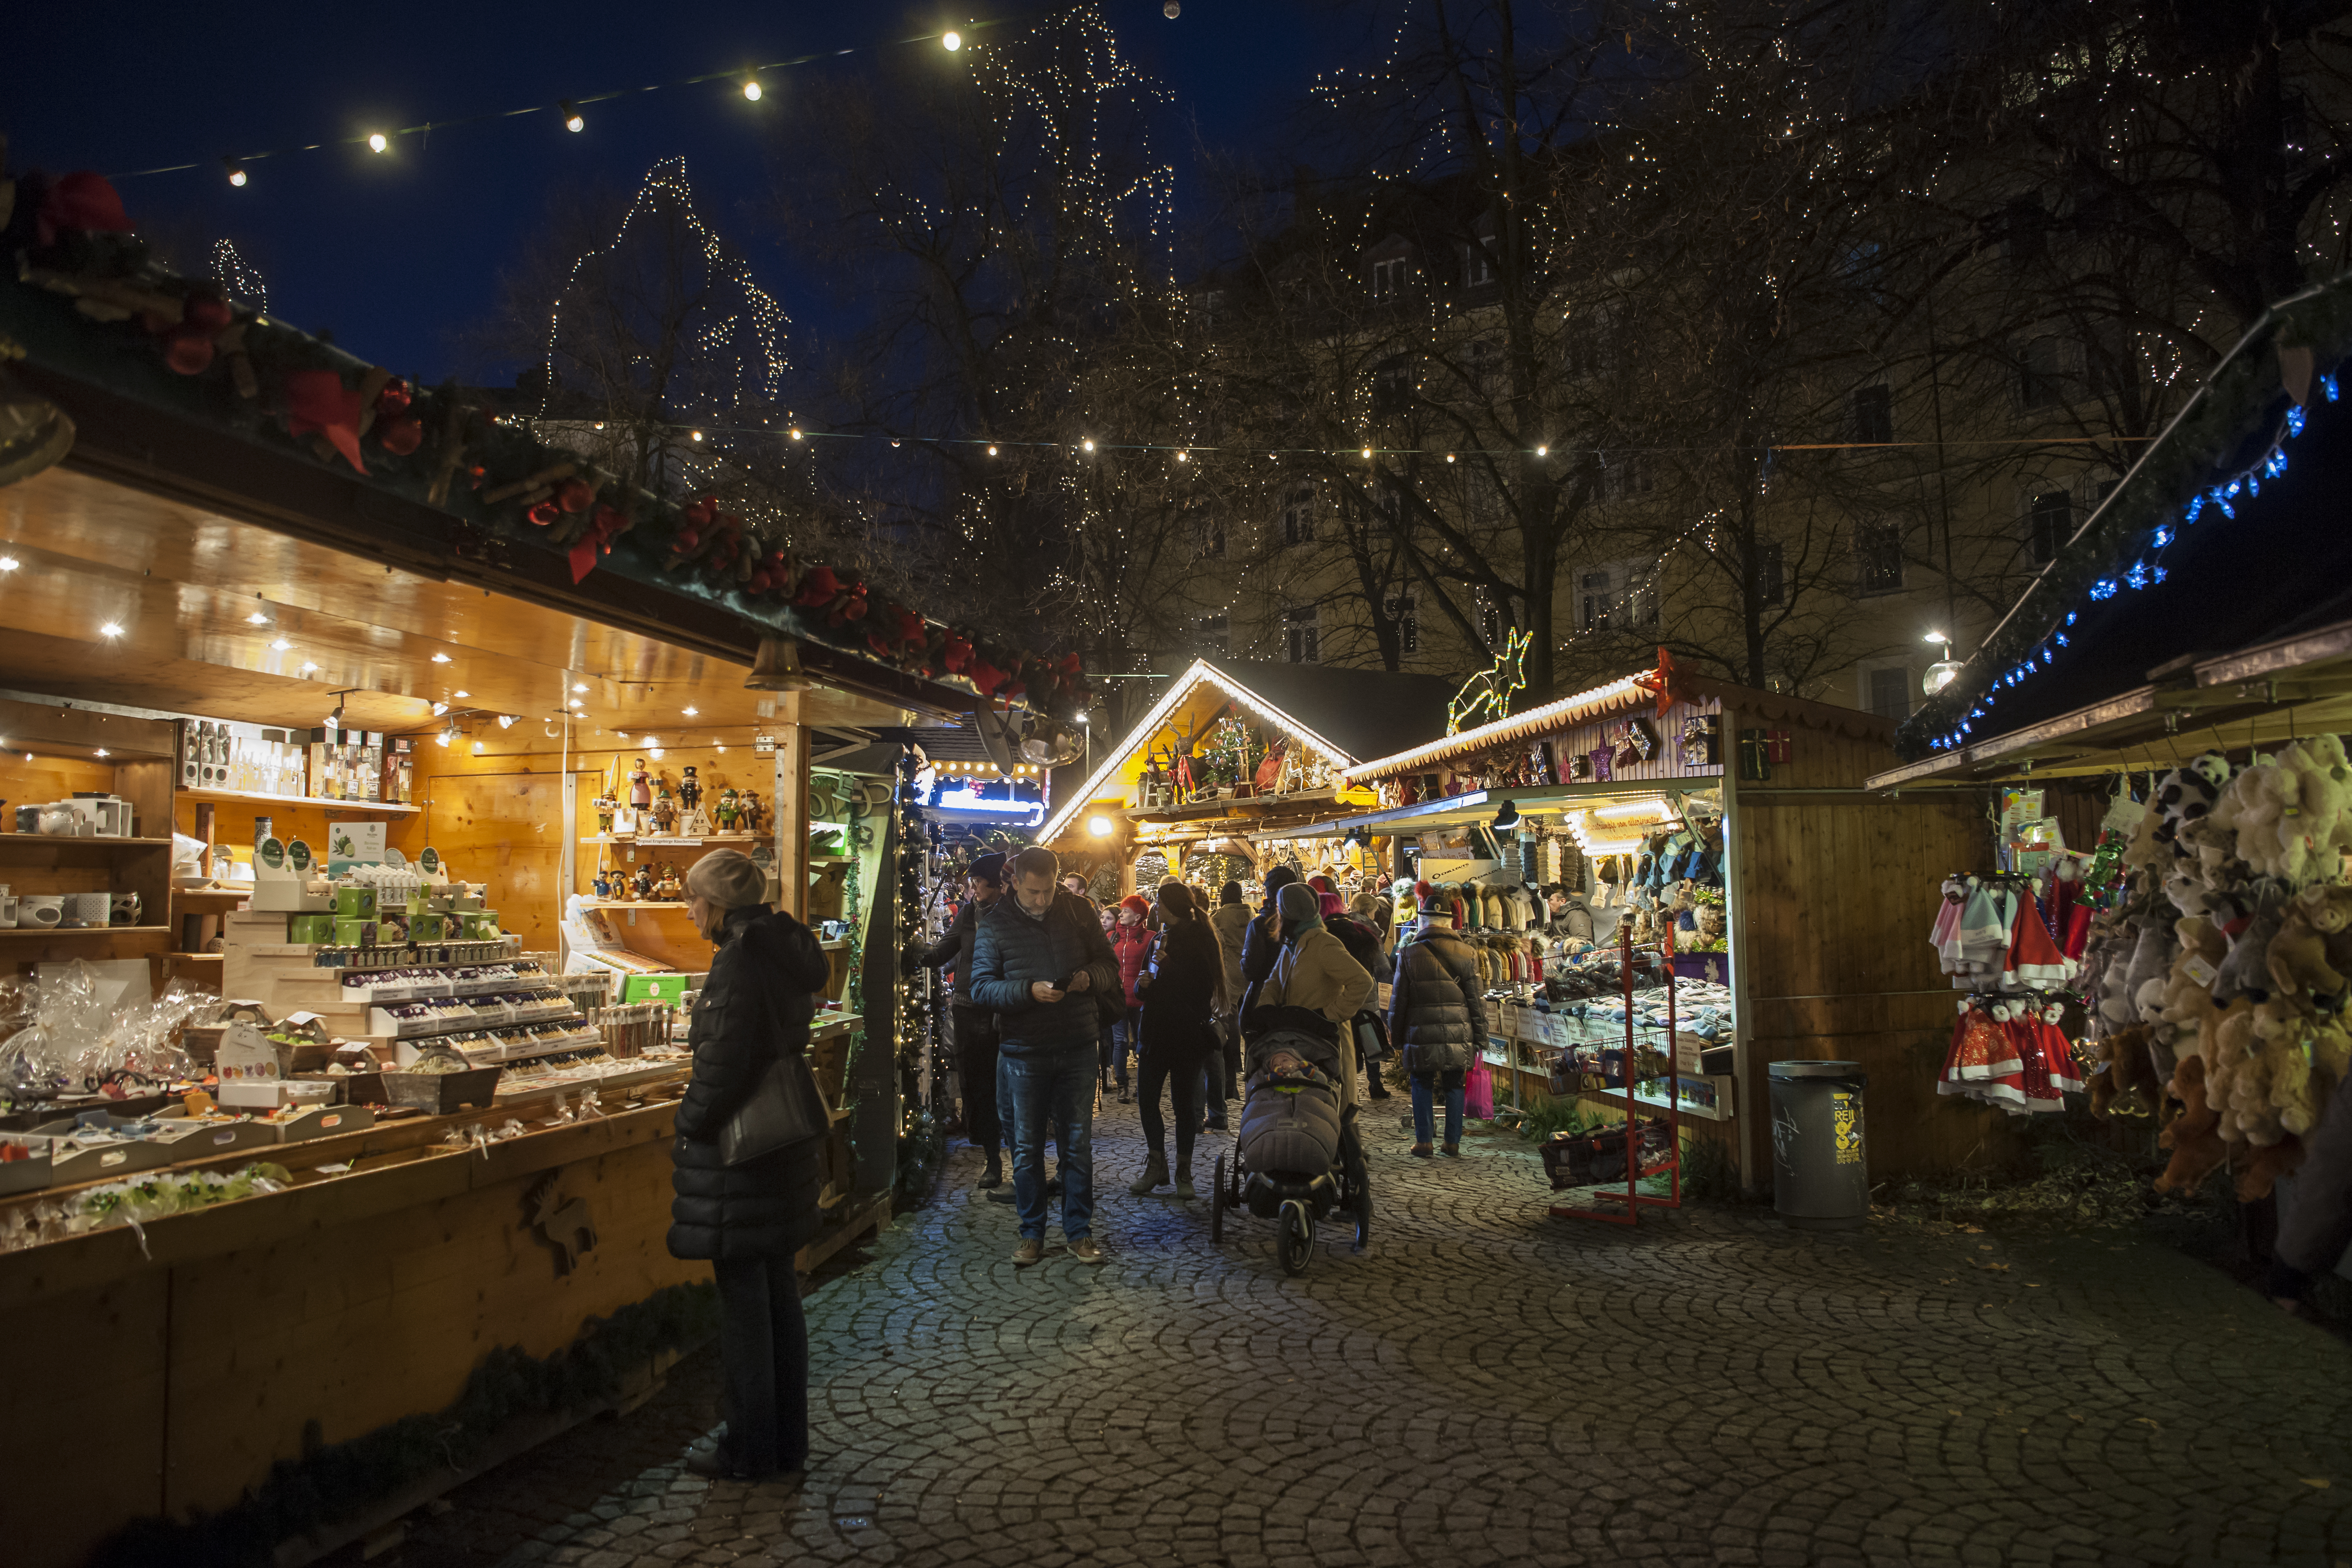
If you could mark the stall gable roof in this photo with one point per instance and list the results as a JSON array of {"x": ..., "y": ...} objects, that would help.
[
  {"x": 2191, "y": 512},
  {"x": 1353, "y": 709},
  {"x": 1621, "y": 696},
  {"x": 1627, "y": 694}
]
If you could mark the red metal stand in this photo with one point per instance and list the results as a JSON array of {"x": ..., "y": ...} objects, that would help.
[{"x": 1632, "y": 1198}]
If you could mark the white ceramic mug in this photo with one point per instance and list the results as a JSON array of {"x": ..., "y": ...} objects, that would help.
[
  {"x": 7, "y": 912},
  {"x": 40, "y": 909}
]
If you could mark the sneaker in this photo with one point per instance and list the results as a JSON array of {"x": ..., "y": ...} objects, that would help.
[
  {"x": 1083, "y": 1250},
  {"x": 1028, "y": 1252},
  {"x": 1421, "y": 1151}
]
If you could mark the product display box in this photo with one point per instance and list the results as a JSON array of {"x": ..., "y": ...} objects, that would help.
[{"x": 669, "y": 990}]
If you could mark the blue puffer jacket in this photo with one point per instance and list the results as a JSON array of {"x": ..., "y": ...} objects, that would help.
[{"x": 1014, "y": 949}]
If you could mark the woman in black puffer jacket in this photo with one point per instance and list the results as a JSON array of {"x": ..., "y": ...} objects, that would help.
[
  {"x": 748, "y": 1220},
  {"x": 1437, "y": 1017},
  {"x": 1182, "y": 992}
]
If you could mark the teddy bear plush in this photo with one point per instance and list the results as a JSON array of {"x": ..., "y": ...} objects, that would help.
[
  {"x": 2266, "y": 791},
  {"x": 2298, "y": 957},
  {"x": 2125, "y": 1082},
  {"x": 2194, "y": 1136},
  {"x": 2258, "y": 1172}
]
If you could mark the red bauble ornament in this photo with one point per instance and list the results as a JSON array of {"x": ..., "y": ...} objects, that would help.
[
  {"x": 393, "y": 398},
  {"x": 401, "y": 435},
  {"x": 188, "y": 350},
  {"x": 80, "y": 203},
  {"x": 545, "y": 514},
  {"x": 575, "y": 494}
]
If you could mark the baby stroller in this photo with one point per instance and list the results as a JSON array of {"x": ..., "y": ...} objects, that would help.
[{"x": 1286, "y": 1163}]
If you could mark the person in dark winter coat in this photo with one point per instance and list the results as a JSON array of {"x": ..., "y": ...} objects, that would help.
[
  {"x": 1437, "y": 1018},
  {"x": 1182, "y": 992},
  {"x": 1041, "y": 962},
  {"x": 748, "y": 1220},
  {"x": 975, "y": 1028},
  {"x": 1363, "y": 943},
  {"x": 1260, "y": 946}
]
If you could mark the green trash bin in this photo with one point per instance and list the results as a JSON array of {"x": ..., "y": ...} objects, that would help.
[{"x": 1820, "y": 1180}]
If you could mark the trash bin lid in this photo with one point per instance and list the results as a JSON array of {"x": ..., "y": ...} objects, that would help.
[{"x": 1815, "y": 1069}]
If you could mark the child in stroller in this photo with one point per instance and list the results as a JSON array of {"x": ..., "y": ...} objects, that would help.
[{"x": 1291, "y": 1153}]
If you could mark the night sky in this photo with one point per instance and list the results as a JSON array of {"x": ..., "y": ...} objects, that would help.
[{"x": 395, "y": 254}]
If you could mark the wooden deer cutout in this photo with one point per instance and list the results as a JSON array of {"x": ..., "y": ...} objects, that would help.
[{"x": 566, "y": 1225}]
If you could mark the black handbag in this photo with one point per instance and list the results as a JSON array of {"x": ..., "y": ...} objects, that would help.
[{"x": 784, "y": 1110}]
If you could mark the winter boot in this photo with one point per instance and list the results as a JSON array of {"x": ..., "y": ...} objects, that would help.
[
  {"x": 1185, "y": 1180},
  {"x": 994, "y": 1175},
  {"x": 1155, "y": 1173}
]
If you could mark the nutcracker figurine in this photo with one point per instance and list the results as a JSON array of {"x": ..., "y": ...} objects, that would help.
[{"x": 689, "y": 789}]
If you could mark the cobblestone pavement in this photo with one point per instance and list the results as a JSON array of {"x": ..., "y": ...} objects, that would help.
[{"x": 1487, "y": 1385}]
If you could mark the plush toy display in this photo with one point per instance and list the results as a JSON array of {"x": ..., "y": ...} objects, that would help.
[{"x": 2228, "y": 959}]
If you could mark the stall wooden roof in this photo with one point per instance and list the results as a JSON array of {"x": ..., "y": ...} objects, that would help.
[{"x": 1343, "y": 713}]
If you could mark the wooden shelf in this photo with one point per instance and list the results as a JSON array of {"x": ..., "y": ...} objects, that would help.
[
  {"x": 50, "y": 932},
  {"x": 26, "y": 840},
  {"x": 246, "y": 798},
  {"x": 643, "y": 842},
  {"x": 194, "y": 899},
  {"x": 199, "y": 957},
  {"x": 626, "y": 904}
]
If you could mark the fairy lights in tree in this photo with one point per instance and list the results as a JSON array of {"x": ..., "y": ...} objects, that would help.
[{"x": 237, "y": 278}]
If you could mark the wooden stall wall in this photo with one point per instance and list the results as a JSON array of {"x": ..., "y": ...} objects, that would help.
[
  {"x": 497, "y": 819},
  {"x": 1837, "y": 888},
  {"x": 662, "y": 934},
  {"x": 34, "y": 863},
  {"x": 173, "y": 1385}
]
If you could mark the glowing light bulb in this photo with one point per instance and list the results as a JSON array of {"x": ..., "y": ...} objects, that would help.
[
  {"x": 698, "y": 435},
  {"x": 1183, "y": 457},
  {"x": 236, "y": 172},
  {"x": 796, "y": 434},
  {"x": 578, "y": 685},
  {"x": 461, "y": 695},
  {"x": 1449, "y": 457},
  {"x": 256, "y": 619},
  {"x": 992, "y": 451},
  {"x": 280, "y": 645},
  {"x": 951, "y": 42},
  {"x": 111, "y": 629},
  {"x": 751, "y": 90},
  {"x": 309, "y": 668},
  {"x": 572, "y": 118},
  {"x": 691, "y": 712},
  {"x": 1368, "y": 452},
  {"x": 477, "y": 748},
  {"x": 7, "y": 563},
  {"x": 440, "y": 658},
  {"x": 1543, "y": 451},
  {"x": 101, "y": 751},
  {"x": 378, "y": 142},
  {"x": 506, "y": 721}
]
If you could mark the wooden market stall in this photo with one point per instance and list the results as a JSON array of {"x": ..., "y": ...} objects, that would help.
[
  {"x": 1810, "y": 860},
  {"x": 1241, "y": 755},
  {"x": 2185, "y": 662},
  {"x": 215, "y": 621}
]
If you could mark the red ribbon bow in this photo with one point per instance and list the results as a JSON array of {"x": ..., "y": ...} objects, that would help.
[
  {"x": 607, "y": 525},
  {"x": 318, "y": 399}
]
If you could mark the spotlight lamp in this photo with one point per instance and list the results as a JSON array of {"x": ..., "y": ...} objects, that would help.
[
  {"x": 572, "y": 118},
  {"x": 236, "y": 172}
]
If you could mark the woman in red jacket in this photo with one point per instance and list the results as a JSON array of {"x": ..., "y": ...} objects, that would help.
[{"x": 1130, "y": 944}]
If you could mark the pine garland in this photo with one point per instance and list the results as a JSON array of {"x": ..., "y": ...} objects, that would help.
[{"x": 329, "y": 1483}]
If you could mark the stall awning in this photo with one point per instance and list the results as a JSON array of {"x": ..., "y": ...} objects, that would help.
[
  {"x": 2263, "y": 695},
  {"x": 1623, "y": 695}
]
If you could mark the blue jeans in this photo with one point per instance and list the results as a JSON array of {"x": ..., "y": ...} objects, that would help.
[
  {"x": 1059, "y": 1088},
  {"x": 1424, "y": 1113},
  {"x": 1123, "y": 1044}
]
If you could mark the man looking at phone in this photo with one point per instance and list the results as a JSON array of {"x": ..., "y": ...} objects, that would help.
[{"x": 1040, "y": 960}]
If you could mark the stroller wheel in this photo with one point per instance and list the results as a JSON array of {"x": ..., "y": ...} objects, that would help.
[
  {"x": 1296, "y": 1244},
  {"x": 1217, "y": 1203},
  {"x": 1364, "y": 1216}
]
